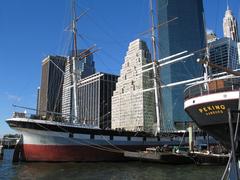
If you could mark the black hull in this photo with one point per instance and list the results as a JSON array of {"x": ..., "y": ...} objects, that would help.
[
  {"x": 74, "y": 129},
  {"x": 212, "y": 117},
  {"x": 71, "y": 129}
]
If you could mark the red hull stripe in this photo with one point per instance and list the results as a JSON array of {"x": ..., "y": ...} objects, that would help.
[{"x": 72, "y": 153}]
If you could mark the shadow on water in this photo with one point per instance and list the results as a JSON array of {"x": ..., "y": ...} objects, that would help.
[{"x": 100, "y": 170}]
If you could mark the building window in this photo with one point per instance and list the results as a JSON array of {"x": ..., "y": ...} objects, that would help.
[{"x": 133, "y": 86}]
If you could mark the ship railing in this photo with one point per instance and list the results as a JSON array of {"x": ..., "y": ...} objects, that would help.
[
  {"x": 213, "y": 86},
  {"x": 57, "y": 120},
  {"x": 42, "y": 115},
  {"x": 19, "y": 115},
  {"x": 34, "y": 116},
  {"x": 56, "y": 117}
]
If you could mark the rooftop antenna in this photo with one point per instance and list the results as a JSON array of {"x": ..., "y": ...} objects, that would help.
[{"x": 227, "y": 5}]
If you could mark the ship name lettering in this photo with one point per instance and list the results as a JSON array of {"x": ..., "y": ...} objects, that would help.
[{"x": 212, "y": 110}]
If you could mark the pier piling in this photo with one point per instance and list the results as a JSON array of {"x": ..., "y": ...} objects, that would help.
[
  {"x": 1, "y": 152},
  {"x": 17, "y": 150}
]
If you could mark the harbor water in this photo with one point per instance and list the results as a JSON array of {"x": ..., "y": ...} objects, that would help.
[{"x": 108, "y": 170}]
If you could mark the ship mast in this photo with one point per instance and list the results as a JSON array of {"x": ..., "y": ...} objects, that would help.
[
  {"x": 155, "y": 69},
  {"x": 77, "y": 56},
  {"x": 74, "y": 59},
  {"x": 207, "y": 56}
]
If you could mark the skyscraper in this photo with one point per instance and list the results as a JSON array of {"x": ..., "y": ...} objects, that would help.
[
  {"x": 53, "y": 68},
  {"x": 85, "y": 67},
  {"x": 184, "y": 33},
  {"x": 132, "y": 108},
  {"x": 230, "y": 28},
  {"x": 94, "y": 99},
  {"x": 224, "y": 52}
]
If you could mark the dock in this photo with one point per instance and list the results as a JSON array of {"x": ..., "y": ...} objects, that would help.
[
  {"x": 161, "y": 157},
  {"x": 176, "y": 157},
  {"x": 9, "y": 142},
  {"x": 205, "y": 158}
]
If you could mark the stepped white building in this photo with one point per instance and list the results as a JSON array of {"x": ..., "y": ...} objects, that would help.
[{"x": 132, "y": 108}]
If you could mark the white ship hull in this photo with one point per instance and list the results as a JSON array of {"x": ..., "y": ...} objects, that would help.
[{"x": 72, "y": 143}]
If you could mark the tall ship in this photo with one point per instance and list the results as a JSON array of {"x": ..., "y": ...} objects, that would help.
[
  {"x": 45, "y": 140},
  {"x": 208, "y": 104},
  {"x": 214, "y": 102},
  {"x": 55, "y": 140}
]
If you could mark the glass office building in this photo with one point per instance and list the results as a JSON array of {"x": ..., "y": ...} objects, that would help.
[
  {"x": 85, "y": 67},
  {"x": 184, "y": 33},
  {"x": 224, "y": 52}
]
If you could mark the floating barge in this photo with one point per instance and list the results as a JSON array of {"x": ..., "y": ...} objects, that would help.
[
  {"x": 199, "y": 158},
  {"x": 153, "y": 155},
  {"x": 202, "y": 158}
]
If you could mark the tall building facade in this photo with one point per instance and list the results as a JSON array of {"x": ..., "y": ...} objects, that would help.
[
  {"x": 224, "y": 52},
  {"x": 238, "y": 47},
  {"x": 84, "y": 68},
  {"x": 53, "y": 68},
  {"x": 132, "y": 108},
  {"x": 94, "y": 99},
  {"x": 184, "y": 33},
  {"x": 230, "y": 26}
]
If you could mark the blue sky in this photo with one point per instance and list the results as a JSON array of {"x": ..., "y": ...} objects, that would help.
[{"x": 31, "y": 30}]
